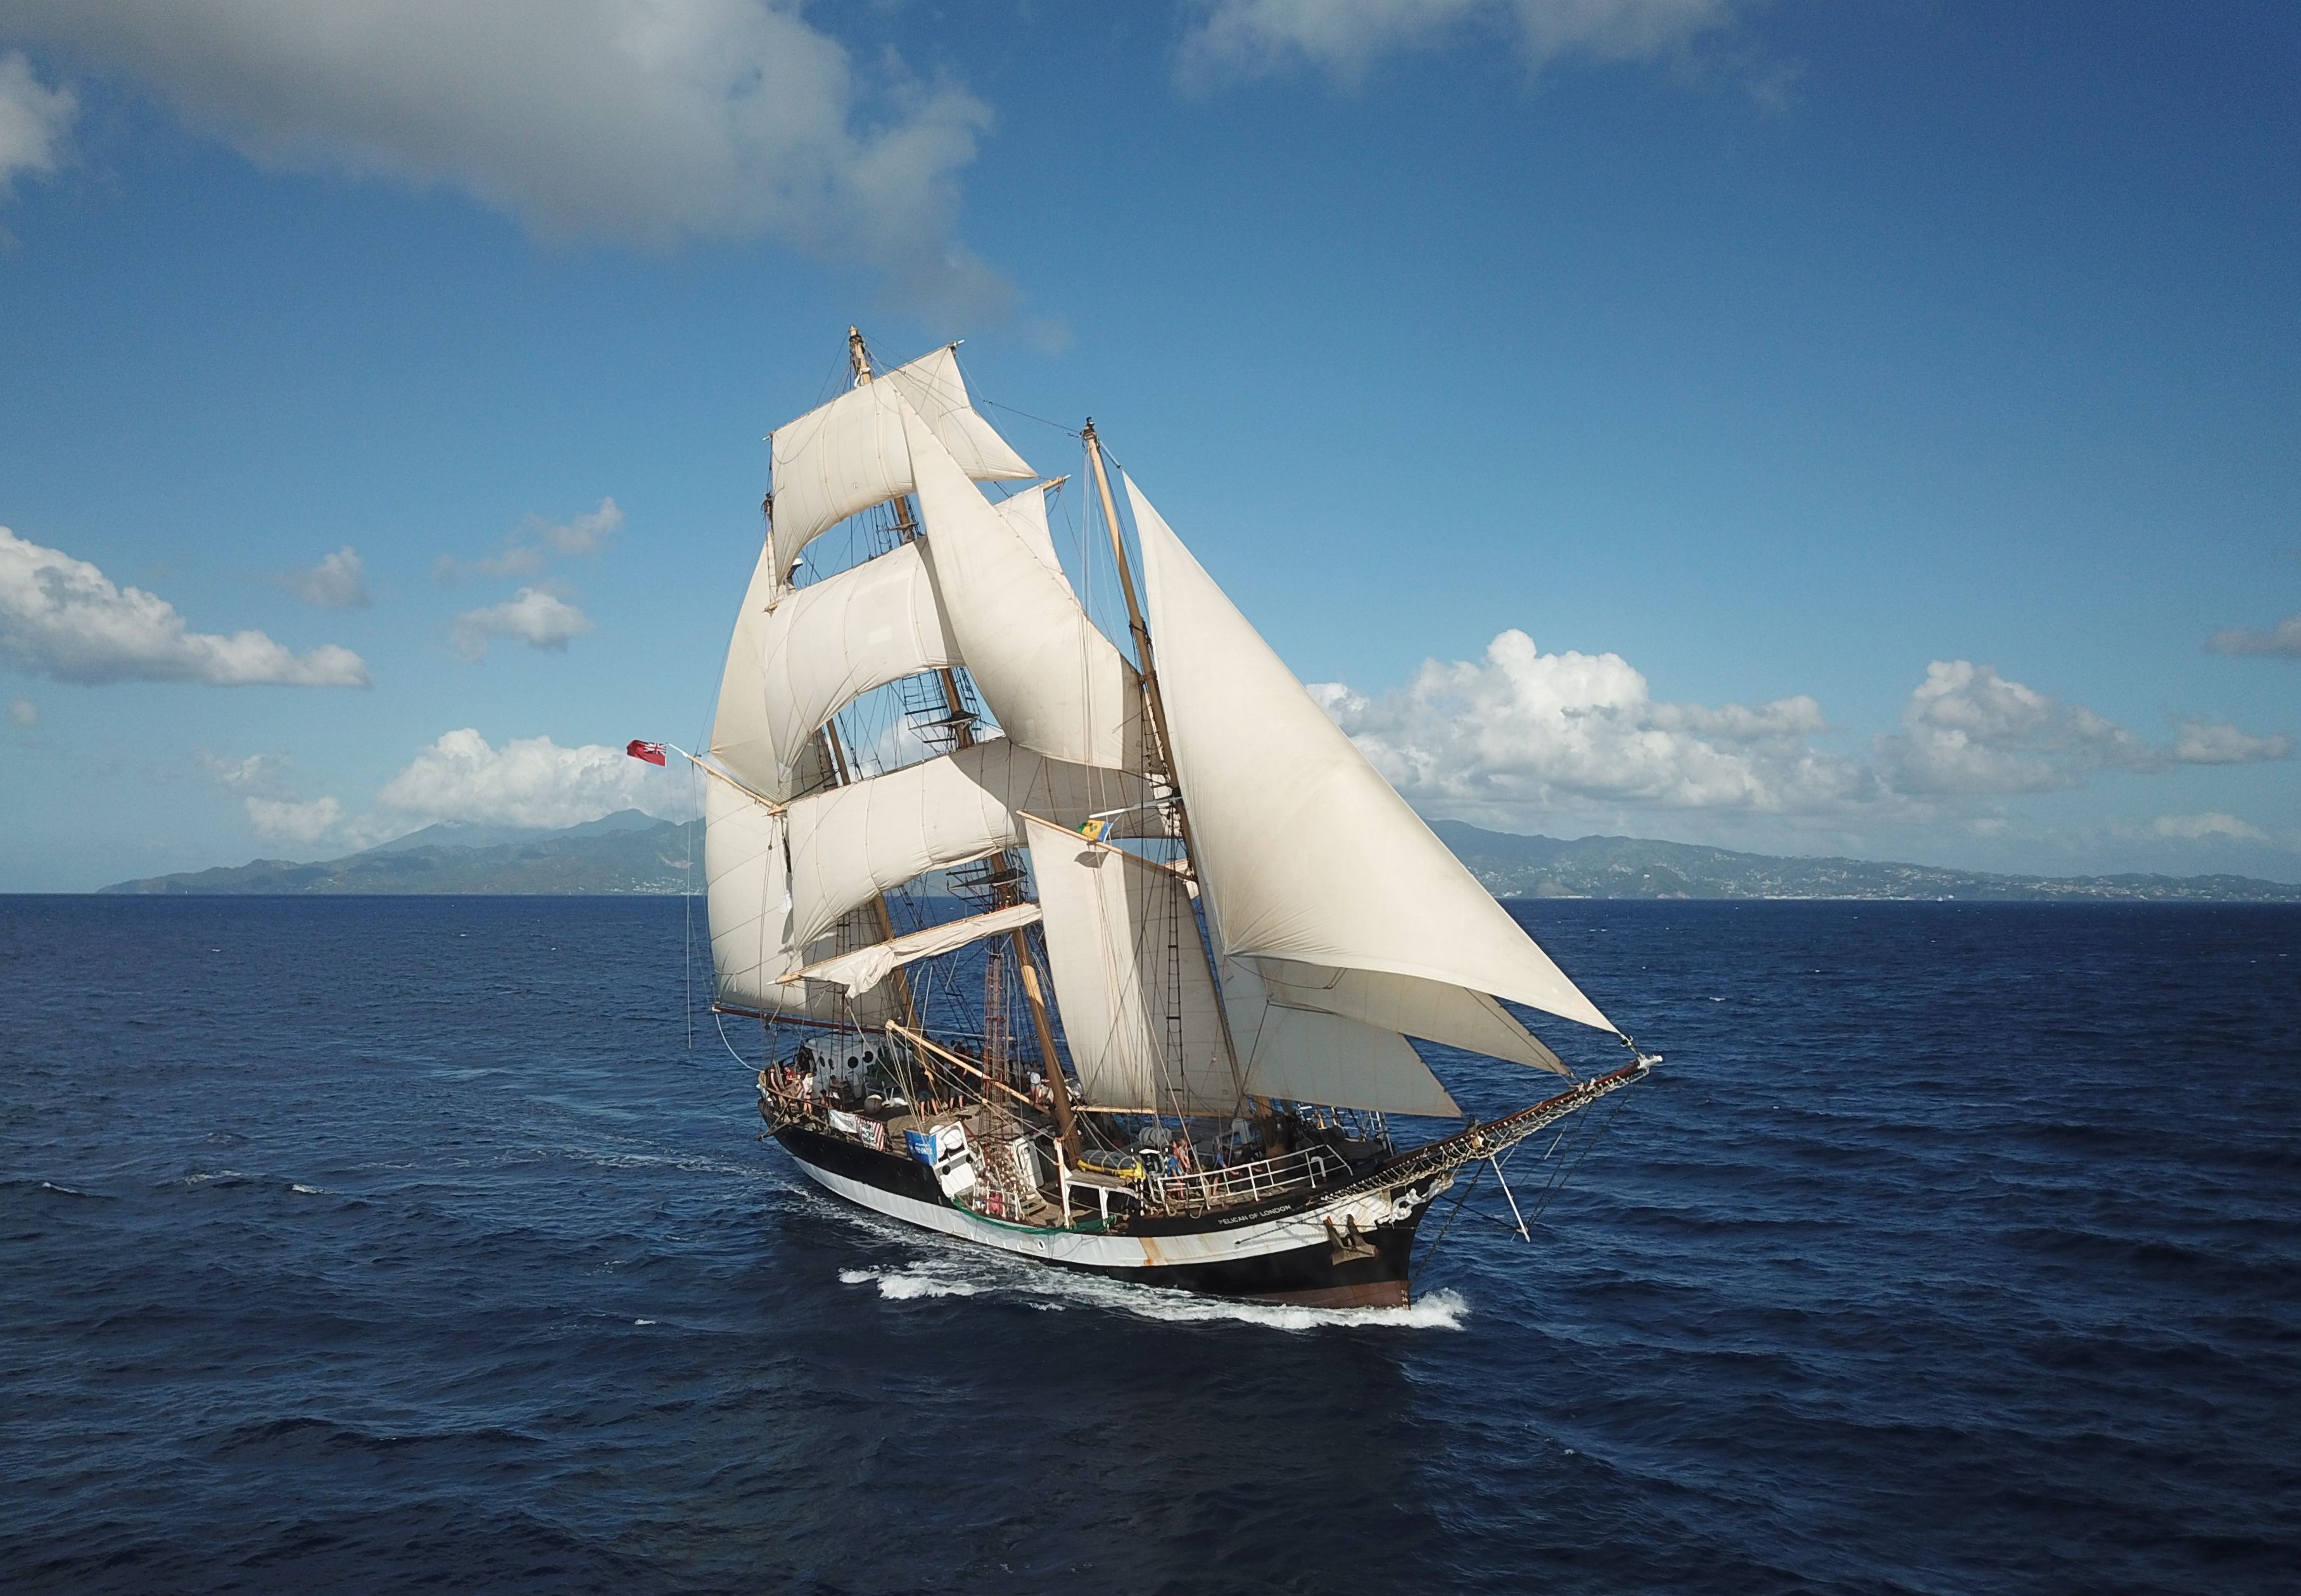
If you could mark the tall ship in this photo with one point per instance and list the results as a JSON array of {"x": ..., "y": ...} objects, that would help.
[{"x": 1097, "y": 944}]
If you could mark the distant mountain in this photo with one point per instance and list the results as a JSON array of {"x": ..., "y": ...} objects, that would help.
[
  {"x": 625, "y": 853},
  {"x": 633, "y": 853},
  {"x": 464, "y": 834},
  {"x": 1513, "y": 866}
]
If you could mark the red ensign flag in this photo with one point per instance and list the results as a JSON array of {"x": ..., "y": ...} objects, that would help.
[{"x": 652, "y": 752}]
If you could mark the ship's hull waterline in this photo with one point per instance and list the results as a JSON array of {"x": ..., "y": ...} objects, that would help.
[{"x": 1349, "y": 1252}]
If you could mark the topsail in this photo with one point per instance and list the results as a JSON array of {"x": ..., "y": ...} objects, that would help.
[{"x": 854, "y": 452}]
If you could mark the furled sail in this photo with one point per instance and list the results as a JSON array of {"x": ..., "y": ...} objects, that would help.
[
  {"x": 1123, "y": 946},
  {"x": 747, "y": 903},
  {"x": 1307, "y": 853},
  {"x": 851, "y": 454},
  {"x": 850, "y": 843},
  {"x": 866, "y": 967},
  {"x": 1052, "y": 680},
  {"x": 1309, "y": 1055},
  {"x": 824, "y": 646}
]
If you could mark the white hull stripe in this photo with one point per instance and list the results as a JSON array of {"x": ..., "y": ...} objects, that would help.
[{"x": 1090, "y": 1251}]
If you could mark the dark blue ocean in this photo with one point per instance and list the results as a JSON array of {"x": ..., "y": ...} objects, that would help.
[{"x": 381, "y": 1244}]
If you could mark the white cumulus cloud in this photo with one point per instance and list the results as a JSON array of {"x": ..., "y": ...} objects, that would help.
[
  {"x": 2212, "y": 742},
  {"x": 2199, "y": 828},
  {"x": 64, "y": 618},
  {"x": 528, "y": 782},
  {"x": 287, "y": 820},
  {"x": 1969, "y": 731},
  {"x": 25, "y": 713},
  {"x": 262, "y": 773},
  {"x": 264, "y": 784},
  {"x": 338, "y": 582},
  {"x": 2283, "y": 640},
  {"x": 1521, "y": 736},
  {"x": 585, "y": 533},
  {"x": 1343, "y": 38},
  {"x": 1521, "y": 731},
  {"x": 650, "y": 121},
  {"x": 33, "y": 121},
  {"x": 530, "y": 547},
  {"x": 532, "y": 617}
]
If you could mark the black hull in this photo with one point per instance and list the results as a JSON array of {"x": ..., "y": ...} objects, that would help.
[{"x": 1368, "y": 1268}]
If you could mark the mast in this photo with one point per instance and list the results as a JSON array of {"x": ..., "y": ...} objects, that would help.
[
  {"x": 907, "y": 527},
  {"x": 837, "y": 751},
  {"x": 1141, "y": 632}
]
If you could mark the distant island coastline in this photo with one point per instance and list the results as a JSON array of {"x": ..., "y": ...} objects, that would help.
[{"x": 633, "y": 853}]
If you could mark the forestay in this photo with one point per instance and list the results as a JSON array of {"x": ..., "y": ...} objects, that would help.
[
  {"x": 1123, "y": 946},
  {"x": 853, "y": 452},
  {"x": 1306, "y": 851}
]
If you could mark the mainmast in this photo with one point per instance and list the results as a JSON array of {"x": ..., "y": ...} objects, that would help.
[
  {"x": 1160, "y": 744},
  {"x": 962, "y": 726}
]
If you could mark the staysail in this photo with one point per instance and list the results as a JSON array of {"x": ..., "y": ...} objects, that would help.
[
  {"x": 1307, "y": 1055},
  {"x": 1308, "y": 854},
  {"x": 1052, "y": 680},
  {"x": 1123, "y": 946},
  {"x": 1026, "y": 513}
]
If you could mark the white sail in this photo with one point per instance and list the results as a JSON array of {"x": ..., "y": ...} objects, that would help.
[
  {"x": 850, "y": 843},
  {"x": 825, "y": 645},
  {"x": 866, "y": 967},
  {"x": 851, "y": 454},
  {"x": 1307, "y": 1055},
  {"x": 1026, "y": 513},
  {"x": 1123, "y": 946},
  {"x": 1051, "y": 678},
  {"x": 742, "y": 739},
  {"x": 1306, "y": 851},
  {"x": 747, "y": 904},
  {"x": 1433, "y": 1010}
]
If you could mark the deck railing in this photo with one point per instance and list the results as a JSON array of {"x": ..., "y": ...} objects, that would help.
[{"x": 1311, "y": 1167}]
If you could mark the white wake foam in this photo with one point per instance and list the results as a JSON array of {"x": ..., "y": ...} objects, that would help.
[
  {"x": 954, "y": 1268},
  {"x": 901, "y": 1285}
]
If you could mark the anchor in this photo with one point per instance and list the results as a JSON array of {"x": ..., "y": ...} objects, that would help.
[{"x": 1348, "y": 1244}]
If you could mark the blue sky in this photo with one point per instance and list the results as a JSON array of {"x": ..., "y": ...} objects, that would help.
[{"x": 1800, "y": 427}]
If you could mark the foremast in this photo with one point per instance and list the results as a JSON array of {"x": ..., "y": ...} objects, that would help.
[{"x": 962, "y": 728}]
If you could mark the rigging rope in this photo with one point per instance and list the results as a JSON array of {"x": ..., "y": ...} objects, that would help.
[{"x": 1028, "y": 416}]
